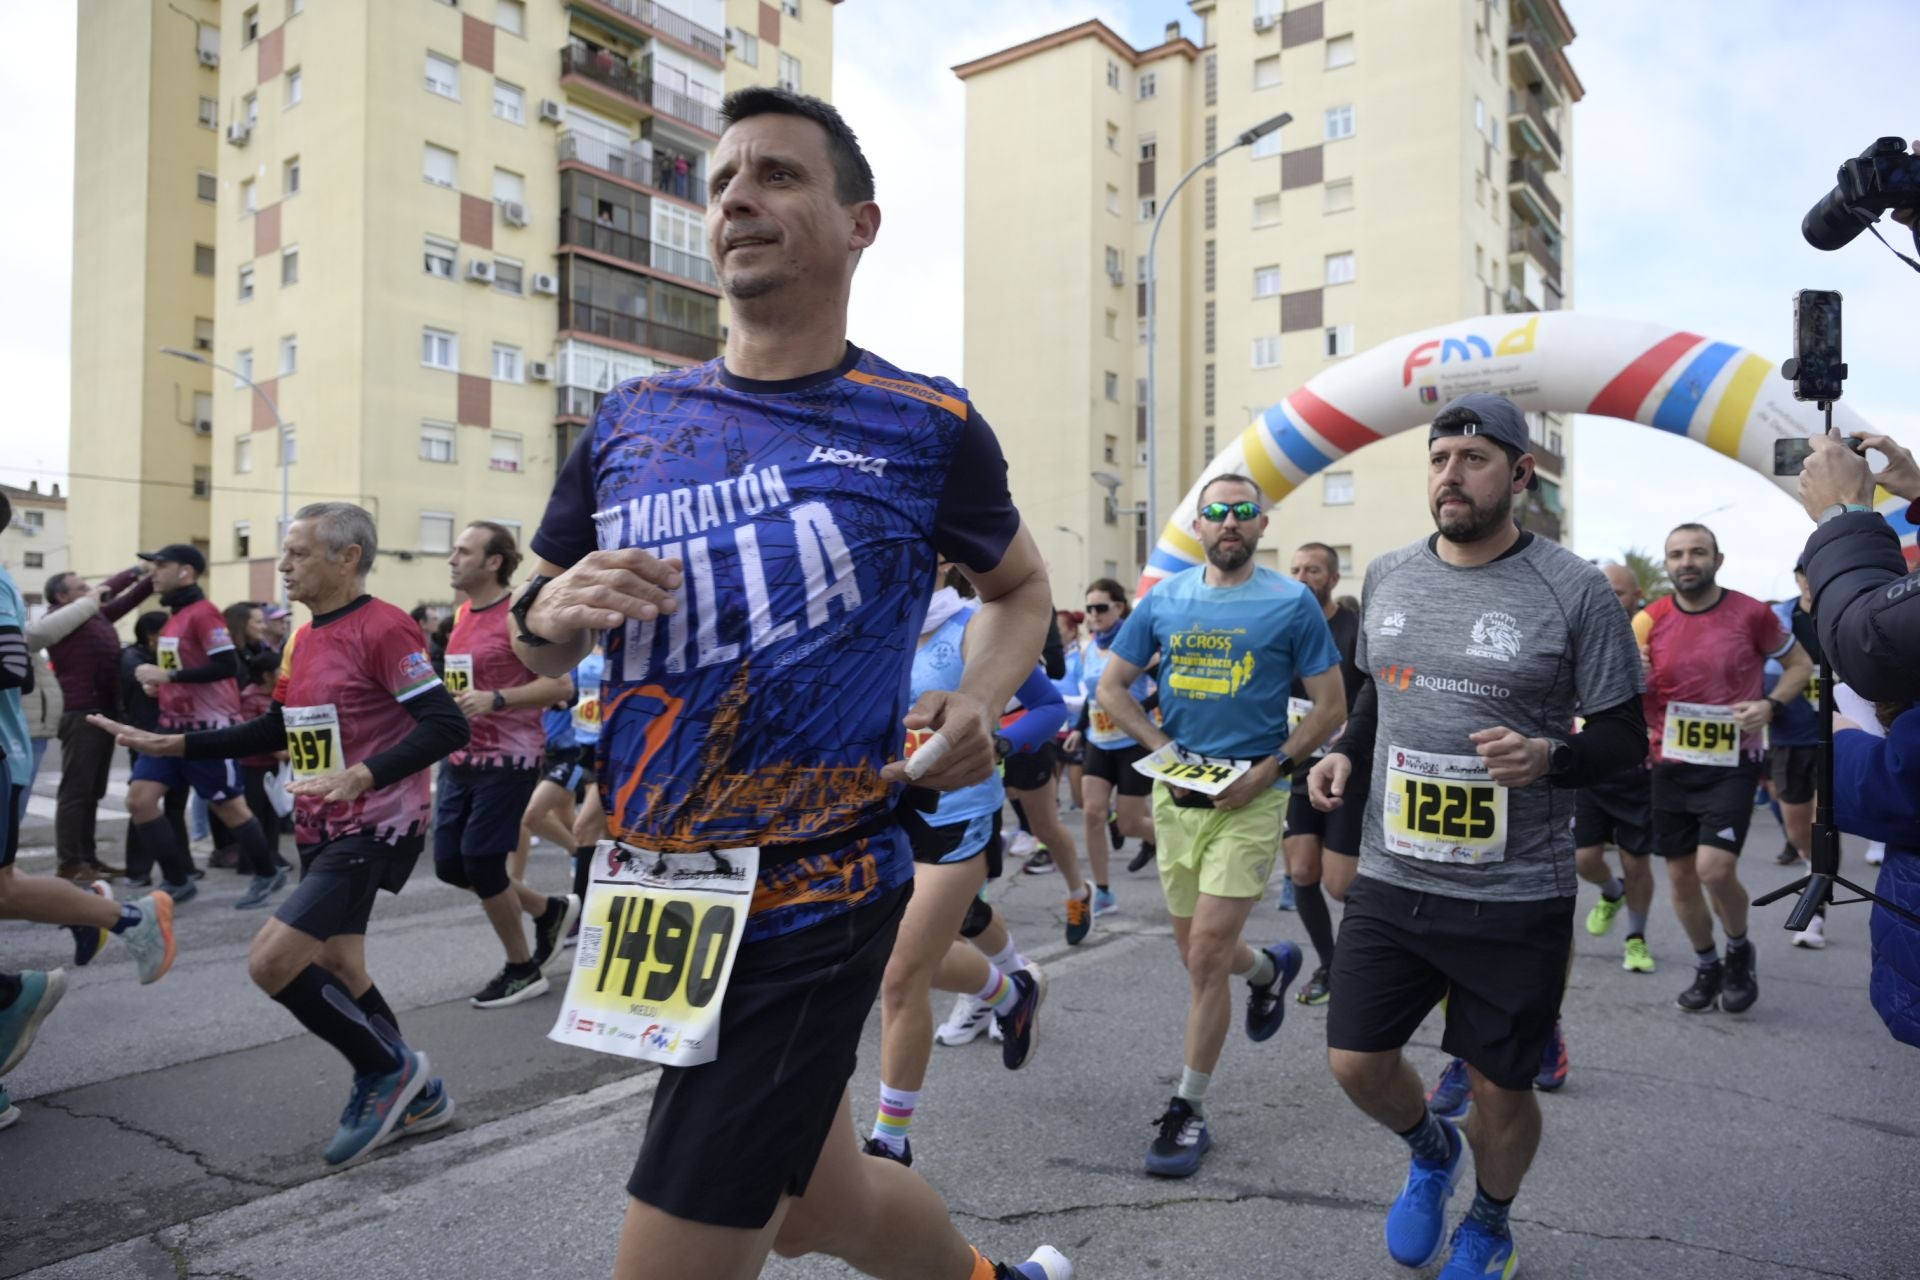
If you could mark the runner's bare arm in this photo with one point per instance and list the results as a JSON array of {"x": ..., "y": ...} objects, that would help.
[
  {"x": 1329, "y": 693},
  {"x": 601, "y": 591},
  {"x": 1115, "y": 696}
]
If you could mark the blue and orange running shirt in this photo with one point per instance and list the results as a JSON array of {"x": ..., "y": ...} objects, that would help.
[{"x": 809, "y": 515}]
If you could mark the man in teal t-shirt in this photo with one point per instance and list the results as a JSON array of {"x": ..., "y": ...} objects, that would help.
[{"x": 1231, "y": 638}]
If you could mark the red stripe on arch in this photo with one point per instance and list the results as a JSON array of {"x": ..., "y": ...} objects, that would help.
[
  {"x": 1343, "y": 433},
  {"x": 1622, "y": 397}
]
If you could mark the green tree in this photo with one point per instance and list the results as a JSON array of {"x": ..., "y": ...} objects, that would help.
[{"x": 1650, "y": 570}]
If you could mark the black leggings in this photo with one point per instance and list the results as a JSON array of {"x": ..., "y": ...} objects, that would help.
[{"x": 262, "y": 808}]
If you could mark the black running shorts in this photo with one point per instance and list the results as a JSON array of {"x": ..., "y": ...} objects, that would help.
[
  {"x": 339, "y": 881},
  {"x": 1339, "y": 831},
  {"x": 1502, "y": 967},
  {"x": 1618, "y": 812},
  {"x": 1116, "y": 766},
  {"x": 1793, "y": 773},
  {"x": 728, "y": 1139},
  {"x": 1030, "y": 770},
  {"x": 15, "y": 800},
  {"x": 1702, "y": 804}
]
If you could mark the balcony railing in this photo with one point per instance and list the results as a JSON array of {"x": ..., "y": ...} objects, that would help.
[
  {"x": 1528, "y": 173},
  {"x": 639, "y": 161},
  {"x": 672, "y": 25},
  {"x": 1528, "y": 106},
  {"x": 1529, "y": 241},
  {"x": 585, "y": 233},
  {"x": 617, "y": 74},
  {"x": 584, "y": 317},
  {"x": 1526, "y": 36}
]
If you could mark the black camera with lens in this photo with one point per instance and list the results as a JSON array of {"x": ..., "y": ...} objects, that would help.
[{"x": 1882, "y": 177}]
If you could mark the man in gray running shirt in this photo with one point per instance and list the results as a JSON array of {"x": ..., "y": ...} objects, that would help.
[{"x": 1479, "y": 643}]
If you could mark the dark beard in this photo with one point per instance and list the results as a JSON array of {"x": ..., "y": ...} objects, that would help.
[
  {"x": 1479, "y": 526},
  {"x": 1226, "y": 558}
]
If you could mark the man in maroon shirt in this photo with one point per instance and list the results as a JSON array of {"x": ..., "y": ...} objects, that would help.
[{"x": 87, "y": 664}]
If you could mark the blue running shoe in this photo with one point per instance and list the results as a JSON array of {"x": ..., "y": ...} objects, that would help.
[
  {"x": 1104, "y": 903},
  {"x": 1452, "y": 1092},
  {"x": 39, "y": 993},
  {"x": 1478, "y": 1254},
  {"x": 88, "y": 940},
  {"x": 1417, "y": 1222},
  {"x": 431, "y": 1108},
  {"x": 1047, "y": 1263},
  {"x": 375, "y": 1106},
  {"x": 1553, "y": 1062},
  {"x": 1183, "y": 1140},
  {"x": 1267, "y": 1006},
  {"x": 261, "y": 888},
  {"x": 1286, "y": 893},
  {"x": 180, "y": 892}
]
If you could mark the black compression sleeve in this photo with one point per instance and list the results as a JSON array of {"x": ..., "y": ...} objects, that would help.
[
  {"x": 16, "y": 666},
  {"x": 224, "y": 665},
  {"x": 1054, "y": 653},
  {"x": 1363, "y": 720},
  {"x": 439, "y": 729},
  {"x": 1613, "y": 741},
  {"x": 261, "y": 736}
]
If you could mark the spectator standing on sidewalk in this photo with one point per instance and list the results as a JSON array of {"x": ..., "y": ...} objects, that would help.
[{"x": 86, "y": 661}]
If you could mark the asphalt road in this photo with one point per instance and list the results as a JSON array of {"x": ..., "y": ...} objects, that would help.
[{"x": 175, "y": 1130}]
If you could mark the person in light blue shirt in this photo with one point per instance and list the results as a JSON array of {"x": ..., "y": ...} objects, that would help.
[{"x": 1231, "y": 637}]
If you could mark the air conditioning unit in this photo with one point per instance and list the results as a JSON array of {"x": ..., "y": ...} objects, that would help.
[
  {"x": 480, "y": 271},
  {"x": 551, "y": 112},
  {"x": 1116, "y": 275},
  {"x": 539, "y": 371},
  {"x": 209, "y": 57},
  {"x": 1264, "y": 21},
  {"x": 514, "y": 213},
  {"x": 203, "y": 426},
  {"x": 544, "y": 283},
  {"x": 238, "y": 132}
]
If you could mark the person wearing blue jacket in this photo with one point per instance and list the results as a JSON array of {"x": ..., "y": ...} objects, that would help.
[
  {"x": 1866, "y": 598},
  {"x": 950, "y": 848}
]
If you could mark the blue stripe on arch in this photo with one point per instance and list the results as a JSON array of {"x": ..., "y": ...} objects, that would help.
[
  {"x": 1167, "y": 561},
  {"x": 1897, "y": 517},
  {"x": 1299, "y": 450},
  {"x": 1675, "y": 413}
]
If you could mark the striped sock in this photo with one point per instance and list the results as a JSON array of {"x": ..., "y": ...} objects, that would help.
[
  {"x": 895, "y": 1118},
  {"x": 999, "y": 993}
]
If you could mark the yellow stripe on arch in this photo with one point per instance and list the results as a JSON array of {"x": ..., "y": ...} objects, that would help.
[
  {"x": 1736, "y": 402},
  {"x": 1272, "y": 481},
  {"x": 1183, "y": 543}
]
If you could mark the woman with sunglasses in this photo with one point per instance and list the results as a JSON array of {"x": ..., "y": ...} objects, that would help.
[{"x": 1110, "y": 752}]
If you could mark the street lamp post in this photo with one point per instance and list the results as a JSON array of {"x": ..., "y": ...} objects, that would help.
[
  {"x": 1248, "y": 138},
  {"x": 279, "y": 430},
  {"x": 1080, "y": 538}
]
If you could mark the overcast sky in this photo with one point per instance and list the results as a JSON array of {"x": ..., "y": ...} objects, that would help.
[{"x": 1706, "y": 133}]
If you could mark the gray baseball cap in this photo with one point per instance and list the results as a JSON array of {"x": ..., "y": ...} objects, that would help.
[{"x": 1482, "y": 413}]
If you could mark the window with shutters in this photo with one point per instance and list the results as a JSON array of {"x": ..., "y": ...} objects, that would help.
[
  {"x": 443, "y": 76},
  {"x": 1340, "y": 268},
  {"x": 439, "y": 166},
  {"x": 1339, "y": 340},
  {"x": 1207, "y": 395},
  {"x": 1212, "y": 263},
  {"x": 1266, "y": 72},
  {"x": 439, "y": 349},
  {"x": 1211, "y": 195},
  {"x": 1338, "y": 196},
  {"x": 1209, "y": 322},
  {"x": 438, "y": 441},
  {"x": 1266, "y": 282},
  {"x": 1266, "y": 211},
  {"x": 1339, "y": 51},
  {"x": 1212, "y": 73},
  {"x": 504, "y": 452},
  {"x": 1266, "y": 351}
]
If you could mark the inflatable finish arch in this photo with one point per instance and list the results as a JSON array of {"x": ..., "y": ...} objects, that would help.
[{"x": 1726, "y": 398}]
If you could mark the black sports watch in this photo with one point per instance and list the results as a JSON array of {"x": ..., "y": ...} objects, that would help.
[
  {"x": 524, "y": 603},
  {"x": 1777, "y": 706},
  {"x": 1559, "y": 757},
  {"x": 499, "y": 700},
  {"x": 1285, "y": 762}
]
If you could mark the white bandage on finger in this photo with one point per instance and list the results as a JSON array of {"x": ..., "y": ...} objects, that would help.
[{"x": 931, "y": 753}]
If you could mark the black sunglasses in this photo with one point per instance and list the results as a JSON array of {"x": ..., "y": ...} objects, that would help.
[{"x": 1100, "y": 608}]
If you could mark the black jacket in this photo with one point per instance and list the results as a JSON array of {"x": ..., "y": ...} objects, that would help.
[
  {"x": 1867, "y": 600},
  {"x": 136, "y": 707}
]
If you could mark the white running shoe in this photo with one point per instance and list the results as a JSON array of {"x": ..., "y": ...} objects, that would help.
[
  {"x": 1047, "y": 1263},
  {"x": 1876, "y": 853},
  {"x": 1021, "y": 843},
  {"x": 1814, "y": 936},
  {"x": 964, "y": 1025}
]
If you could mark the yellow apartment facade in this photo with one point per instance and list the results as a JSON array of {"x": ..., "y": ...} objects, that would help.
[
  {"x": 1424, "y": 178},
  {"x": 35, "y": 544},
  {"x": 437, "y": 234}
]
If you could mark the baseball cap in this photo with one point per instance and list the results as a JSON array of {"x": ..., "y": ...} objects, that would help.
[
  {"x": 275, "y": 612},
  {"x": 1481, "y": 413},
  {"x": 178, "y": 553}
]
